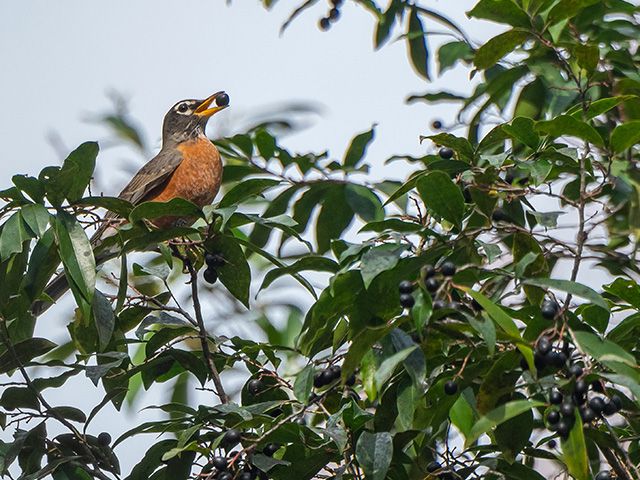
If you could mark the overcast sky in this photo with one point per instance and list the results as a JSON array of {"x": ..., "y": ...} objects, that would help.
[{"x": 59, "y": 60}]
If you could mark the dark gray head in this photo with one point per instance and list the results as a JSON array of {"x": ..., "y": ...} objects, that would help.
[{"x": 188, "y": 118}]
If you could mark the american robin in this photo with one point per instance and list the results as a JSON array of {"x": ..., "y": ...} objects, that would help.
[{"x": 188, "y": 166}]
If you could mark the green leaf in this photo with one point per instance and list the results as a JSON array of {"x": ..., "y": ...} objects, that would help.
[
  {"x": 574, "y": 450},
  {"x": 364, "y": 202},
  {"x": 379, "y": 259},
  {"x": 31, "y": 186},
  {"x": 176, "y": 207},
  {"x": 77, "y": 170},
  {"x": 24, "y": 351},
  {"x": 587, "y": 57},
  {"x": 462, "y": 146},
  {"x": 113, "y": 204},
  {"x": 461, "y": 415},
  {"x": 315, "y": 263},
  {"x": 77, "y": 256},
  {"x": 408, "y": 400},
  {"x": 13, "y": 236},
  {"x": 358, "y": 148},
  {"x": 266, "y": 144},
  {"x": 36, "y": 217},
  {"x": 417, "y": 44},
  {"x": 334, "y": 217},
  {"x": 571, "y": 126},
  {"x": 19, "y": 397},
  {"x": 625, "y": 136},
  {"x": 70, "y": 413},
  {"x": 496, "y": 48},
  {"x": 568, "y": 8},
  {"x": 501, "y": 11},
  {"x": 568, "y": 286},
  {"x": 374, "y": 452},
  {"x": 442, "y": 196},
  {"x": 521, "y": 129},
  {"x": 235, "y": 274},
  {"x": 498, "y": 415},
  {"x": 503, "y": 320},
  {"x": 247, "y": 189},
  {"x": 388, "y": 366},
  {"x": 104, "y": 318},
  {"x": 304, "y": 383},
  {"x": 451, "y": 52},
  {"x": 603, "y": 350}
]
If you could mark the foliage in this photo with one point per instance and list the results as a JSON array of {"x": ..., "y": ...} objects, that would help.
[{"x": 458, "y": 334}]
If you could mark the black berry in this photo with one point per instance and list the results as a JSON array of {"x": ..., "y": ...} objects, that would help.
[
  {"x": 231, "y": 437},
  {"x": 224, "y": 476},
  {"x": 448, "y": 269},
  {"x": 576, "y": 370},
  {"x": 405, "y": 286},
  {"x": 609, "y": 408},
  {"x": 428, "y": 271},
  {"x": 432, "y": 284},
  {"x": 603, "y": 475},
  {"x": 566, "y": 408},
  {"x": 104, "y": 439},
  {"x": 544, "y": 346},
  {"x": 270, "y": 449},
  {"x": 555, "y": 397},
  {"x": 214, "y": 260},
  {"x": 445, "y": 153},
  {"x": 451, "y": 387},
  {"x": 549, "y": 309},
  {"x": 407, "y": 300},
  {"x": 219, "y": 462},
  {"x": 552, "y": 443},
  {"x": 222, "y": 100},
  {"x": 553, "y": 417},
  {"x": 436, "y": 125},
  {"x": 246, "y": 476},
  {"x": 336, "y": 371},
  {"x": 351, "y": 381},
  {"x": 617, "y": 401},
  {"x": 581, "y": 387},
  {"x": 334, "y": 14},
  {"x": 211, "y": 275},
  {"x": 500, "y": 215},
  {"x": 336, "y": 3},
  {"x": 439, "y": 304},
  {"x": 324, "y": 24},
  {"x": 255, "y": 386},
  {"x": 324, "y": 377},
  {"x": 597, "y": 404},
  {"x": 563, "y": 428},
  {"x": 587, "y": 414}
]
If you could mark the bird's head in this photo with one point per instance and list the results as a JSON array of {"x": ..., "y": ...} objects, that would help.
[{"x": 188, "y": 118}]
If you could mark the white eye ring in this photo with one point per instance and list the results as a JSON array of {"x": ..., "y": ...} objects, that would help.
[{"x": 182, "y": 108}]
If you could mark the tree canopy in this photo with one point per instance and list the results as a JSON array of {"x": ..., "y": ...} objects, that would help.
[{"x": 455, "y": 331}]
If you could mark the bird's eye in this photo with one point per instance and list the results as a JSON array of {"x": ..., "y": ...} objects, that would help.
[{"x": 182, "y": 107}]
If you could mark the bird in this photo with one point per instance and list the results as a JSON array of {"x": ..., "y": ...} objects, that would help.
[{"x": 188, "y": 166}]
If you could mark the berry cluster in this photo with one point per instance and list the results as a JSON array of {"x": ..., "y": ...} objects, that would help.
[
  {"x": 436, "y": 468},
  {"x": 429, "y": 275},
  {"x": 562, "y": 415},
  {"x": 214, "y": 260},
  {"x": 330, "y": 374},
  {"x": 332, "y": 16},
  {"x": 230, "y": 466}
]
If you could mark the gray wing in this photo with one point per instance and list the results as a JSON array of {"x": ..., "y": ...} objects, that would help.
[{"x": 151, "y": 176}]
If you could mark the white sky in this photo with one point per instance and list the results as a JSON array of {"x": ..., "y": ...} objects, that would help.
[{"x": 59, "y": 59}]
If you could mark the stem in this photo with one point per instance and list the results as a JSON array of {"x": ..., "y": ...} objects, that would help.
[{"x": 204, "y": 338}]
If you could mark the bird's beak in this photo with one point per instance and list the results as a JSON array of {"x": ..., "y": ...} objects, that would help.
[{"x": 203, "y": 109}]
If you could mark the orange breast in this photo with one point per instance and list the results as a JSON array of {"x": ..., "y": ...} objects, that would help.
[
  {"x": 196, "y": 179},
  {"x": 198, "y": 176}
]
